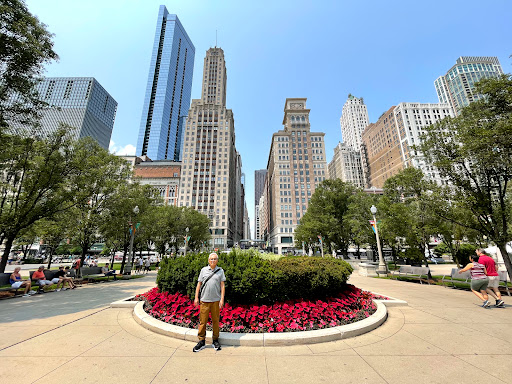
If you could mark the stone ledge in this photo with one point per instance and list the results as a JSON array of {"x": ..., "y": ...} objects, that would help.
[
  {"x": 124, "y": 303},
  {"x": 270, "y": 339}
]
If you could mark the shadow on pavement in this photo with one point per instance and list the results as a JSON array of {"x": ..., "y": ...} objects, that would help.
[{"x": 51, "y": 304}]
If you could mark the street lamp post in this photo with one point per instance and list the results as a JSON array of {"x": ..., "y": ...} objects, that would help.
[
  {"x": 383, "y": 269},
  {"x": 321, "y": 244},
  {"x": 186, "y": 240},
  {"x": 132, "y": 237}
]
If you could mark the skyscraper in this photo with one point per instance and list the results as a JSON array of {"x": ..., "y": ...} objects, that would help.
[
  {"x": 296, "y": 165},
  {"x": 353, "y": 121},
  {"x": 80, "y": 102},
  {"x": 168, "y": 90},
  {"x": 346, "y": 165},
  {"x": 389, "y": 144},
  {"x": 457, "y": 86},
  {"x": 259, "y": 185},
  {"x": 211, "y": 174}
]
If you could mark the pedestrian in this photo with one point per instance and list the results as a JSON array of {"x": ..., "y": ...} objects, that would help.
[
  {"x": 136, "y": 265},
  {"x": 493, "y": 288},
  {"x": 76, "y": 267},
  {"x": 147, "y": 265},
  {"x": 209, "y": 295},
  {"x": 479, "y": 279}
]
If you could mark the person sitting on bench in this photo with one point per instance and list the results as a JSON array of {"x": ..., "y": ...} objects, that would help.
[
  {"x": 60, "y": 277},
  {"x": 17, "y": 282},
  {"x": 108, "y": 272},
  {"x": 39, "y": 278}
]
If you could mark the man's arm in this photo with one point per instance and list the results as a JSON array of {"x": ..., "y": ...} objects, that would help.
[
  {"x": 196, "y": 299},
  {"x": 222, "y": 292}
]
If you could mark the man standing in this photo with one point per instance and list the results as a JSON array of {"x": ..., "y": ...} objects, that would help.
[
  {"x": 494, "y": 278},
  {"x": 210, "y": 294}
]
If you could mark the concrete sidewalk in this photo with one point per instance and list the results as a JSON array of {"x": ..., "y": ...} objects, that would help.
[{"x": 443, "y": 336}]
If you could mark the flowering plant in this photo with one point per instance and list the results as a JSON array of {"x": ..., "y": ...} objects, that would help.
[{"x": 353, "y": 304}]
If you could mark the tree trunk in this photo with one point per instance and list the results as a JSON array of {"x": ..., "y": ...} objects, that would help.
[
  {"x": 123, "y": 263},
  {"x": 506, "y": 258},
  {"x": 85, "y": 247},
  {"x": 25, "y": 251},
  {"x": 5, "y": 256},
  {"x": 50, "y": 258}
]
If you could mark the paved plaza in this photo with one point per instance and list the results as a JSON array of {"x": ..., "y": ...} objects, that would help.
[{"x": 443, "y": 336}]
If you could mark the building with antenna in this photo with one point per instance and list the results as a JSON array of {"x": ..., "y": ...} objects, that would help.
[{"x": 211, "y": 173}]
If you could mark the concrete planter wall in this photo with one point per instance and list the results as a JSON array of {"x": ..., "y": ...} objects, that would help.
[{"x": 268, "y": 339}]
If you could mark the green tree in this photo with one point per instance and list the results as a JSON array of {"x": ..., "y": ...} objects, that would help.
[
  {"x": 406, "y": 221},
  {"x": 326, "y": 216},
  {"x": 358, "y": 216},
  {"x": 172, "y": 222},
  {"x": 474, "y": 153},
  {"x": 51, "y": 233},
  {"x": 106, "y": 173},
  {"x": 198, "y": 225},
  {"x": 25, "y": 47},
  {"x": 114, "y": 223},
  {"x": 39, "y": 178}
]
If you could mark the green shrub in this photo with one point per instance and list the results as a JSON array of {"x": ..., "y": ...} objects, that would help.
[
  {"x": 441, "y": 249},
  {"x": 310, "y": 278},
  {"x": 252, "y": 279},
  {"x": 463, "y": 253}
]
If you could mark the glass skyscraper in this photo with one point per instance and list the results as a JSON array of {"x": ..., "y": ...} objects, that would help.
[
  {"x": 80, "y": 102},
  {"x": 457, "y": 86},
  {"x": 168, "y": 90}
]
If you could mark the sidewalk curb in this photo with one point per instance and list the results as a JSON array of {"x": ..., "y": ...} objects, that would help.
[
  {"x": 124, "y": 303},
  {"x": 265, "y": 339}
]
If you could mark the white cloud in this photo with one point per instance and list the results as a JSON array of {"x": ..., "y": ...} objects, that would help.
[{"x": 127, "y": 150}]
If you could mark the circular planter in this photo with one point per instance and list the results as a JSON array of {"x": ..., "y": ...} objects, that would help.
[{"x": 265, "y": 339}]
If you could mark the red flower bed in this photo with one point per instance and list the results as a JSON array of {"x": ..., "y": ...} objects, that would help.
[{"x": 351, "y": 305}]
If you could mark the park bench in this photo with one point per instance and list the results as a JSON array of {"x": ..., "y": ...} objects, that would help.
[
  {"x": 463, "y": 278},
  {"x": 417, "y": 273},
  {"x": 503, "y": 279},
  {"x": 48, "y": 275},
  {"x": 93, "y": 274},
  {"x": 5, "y": 285}
]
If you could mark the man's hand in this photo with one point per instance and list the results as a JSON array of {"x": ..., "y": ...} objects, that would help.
[
  {"x": 196, "y": 301},
  {"x": 221, "y": 304}
]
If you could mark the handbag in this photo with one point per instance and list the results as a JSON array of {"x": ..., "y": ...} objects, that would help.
[{"x": 204, "y": 284}]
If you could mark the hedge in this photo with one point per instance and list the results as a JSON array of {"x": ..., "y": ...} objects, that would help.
[{"x": 252, "y": 279}]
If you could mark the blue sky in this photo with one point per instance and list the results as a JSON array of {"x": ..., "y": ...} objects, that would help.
[{"x": 385, "y": 51}]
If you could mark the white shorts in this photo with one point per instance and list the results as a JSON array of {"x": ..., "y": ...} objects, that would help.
[
  {"x": 17, "y": 284},
  {"x": 494, "y": 282},
  {"x": 55, "y": 280},
  {"x": 44, "y": 282}
]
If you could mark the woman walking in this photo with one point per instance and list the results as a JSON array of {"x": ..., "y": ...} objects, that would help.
[{"x": 479, "y": 279}]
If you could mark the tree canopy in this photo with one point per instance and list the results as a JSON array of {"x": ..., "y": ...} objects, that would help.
[
  {"x": 25, "y": 47},
  {"x": 473, "y": 152}
]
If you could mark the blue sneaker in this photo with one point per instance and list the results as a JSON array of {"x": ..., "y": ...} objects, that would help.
[{"x": 486, "y": 304}]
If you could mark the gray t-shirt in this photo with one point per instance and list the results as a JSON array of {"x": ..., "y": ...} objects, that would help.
[{"x": 211, "y": 291}]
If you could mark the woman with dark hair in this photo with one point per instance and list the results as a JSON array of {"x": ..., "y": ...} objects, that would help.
[{"x": 479, "y": 279}]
